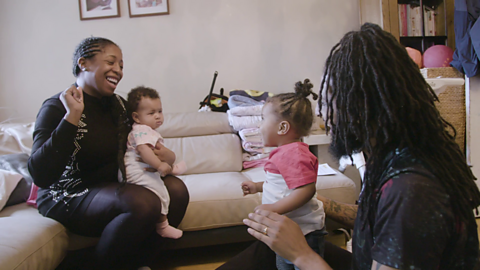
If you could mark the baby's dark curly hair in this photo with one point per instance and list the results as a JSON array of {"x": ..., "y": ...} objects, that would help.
[
  {"x": 136, "y": 95},
  {"x": 88, "y": 48},
  {"x": 296, "y": 108}
]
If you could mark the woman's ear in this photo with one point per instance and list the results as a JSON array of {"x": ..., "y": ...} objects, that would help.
[
  {"x": 135, "y": 117},
  {"x": 81, "y": 63},
  {"x": 283, "y": 128}
]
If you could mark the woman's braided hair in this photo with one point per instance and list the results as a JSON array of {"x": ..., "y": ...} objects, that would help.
[
  {"x": 383, "y": 103},
  {"x": 88, "y": 48},
  {"x": 296, "y": 108}
]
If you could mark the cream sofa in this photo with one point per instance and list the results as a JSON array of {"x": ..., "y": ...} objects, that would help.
[{"x": 213, "y": 153}]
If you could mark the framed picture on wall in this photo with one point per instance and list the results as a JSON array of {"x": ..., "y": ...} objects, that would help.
[
  {"x": 98, "y": 9},
  {"x": 140, "y": 8}
]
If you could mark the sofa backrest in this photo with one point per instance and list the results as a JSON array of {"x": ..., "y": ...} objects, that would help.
[
  {"x": 204, "y": 140},
  {"x": 194, "y": 124},
  {"x": 208, "y": 153}
]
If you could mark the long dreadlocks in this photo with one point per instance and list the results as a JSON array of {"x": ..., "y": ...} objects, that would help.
[{"x": 383, "y": 103}]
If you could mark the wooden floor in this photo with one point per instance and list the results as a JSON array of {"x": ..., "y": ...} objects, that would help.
[{"x": 209, "y": 258}]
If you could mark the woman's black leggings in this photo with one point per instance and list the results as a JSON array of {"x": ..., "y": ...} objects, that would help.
[{"x": 124, "y": 218}]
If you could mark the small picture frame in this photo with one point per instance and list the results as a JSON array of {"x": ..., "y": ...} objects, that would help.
[
  {"x": 140, "y": 8},
  {"x": 98, "y": 9}
]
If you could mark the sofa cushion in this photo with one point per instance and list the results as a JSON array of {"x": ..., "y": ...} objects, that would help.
[
  {"x": 17, "y": 163},
  {"x": 208, "y": 154},
  {"x": 216, "y": 200},
  {"x": 8, "y": 182},
  {"x": 16, "y": 138},
  {"x": 29, "y": 240},
  {"x": 337, "y": 187},
  {"x": 194, "y": 124}
]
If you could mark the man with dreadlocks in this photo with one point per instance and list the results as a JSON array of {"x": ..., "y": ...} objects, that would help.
[{"x": 416, "y": 206}]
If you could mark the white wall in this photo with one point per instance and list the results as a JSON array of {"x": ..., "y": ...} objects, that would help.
[
  {"x": 265, "y": 45},
  {"x": 472, "y": 86}
]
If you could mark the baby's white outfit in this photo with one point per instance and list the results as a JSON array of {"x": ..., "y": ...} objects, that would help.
[{"x": 143, "y": 134}]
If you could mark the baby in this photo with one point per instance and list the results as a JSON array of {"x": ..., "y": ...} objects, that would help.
[
  {"x": 291, "y": 170},
  {"x": 147, "y": 115}
]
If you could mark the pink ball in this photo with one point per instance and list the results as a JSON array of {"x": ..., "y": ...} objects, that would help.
[
  {"x": 416, "y": 55},
  {"x": 437, "y": 56}
]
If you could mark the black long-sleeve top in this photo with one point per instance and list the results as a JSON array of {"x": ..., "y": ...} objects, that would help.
[{"x": 67, "y": 160}]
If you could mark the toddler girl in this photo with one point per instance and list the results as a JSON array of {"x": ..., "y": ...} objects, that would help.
[
  {"x": 291, "y": 170},
  {"x": 147, "y": 114}
]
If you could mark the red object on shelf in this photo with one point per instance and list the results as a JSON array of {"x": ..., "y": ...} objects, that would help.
[
  {"x": 437, "y": 56},
  {"x": 416, "y": 56}
]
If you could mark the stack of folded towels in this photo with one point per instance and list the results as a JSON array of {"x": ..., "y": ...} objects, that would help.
[{"x": 245, "y": 116}]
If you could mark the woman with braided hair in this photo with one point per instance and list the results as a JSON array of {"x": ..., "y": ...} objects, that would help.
[
  {"x": 416, "y": 206},
  {"x": 80, "y": 140}
]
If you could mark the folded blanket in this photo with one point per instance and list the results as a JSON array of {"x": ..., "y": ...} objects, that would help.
[
  {"x": 241, "y": 101},
  {"x": 254, "y": 94},
  {"x": 255, "y": 163},
  {"x": 256, "y": 148},
  {"x": 252, "y": 157},
  {"x": 247, "y": 110},
  {"x": 242, "y": 122},
  {"x": 250, "y": 135}
]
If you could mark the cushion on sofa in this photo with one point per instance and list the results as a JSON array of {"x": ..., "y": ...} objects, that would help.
[
  {"x": 16, "y": 138},
  {"x": 216, "y": 199},
  {"x": 208, "y": 154},
  {"x": 29, "y": 240},
  {"x": 194, "y": 124},
  {"x": 8, "y": 182},
  {"x": 17, "y": 163},
  {"x": 337, "y": 187}
]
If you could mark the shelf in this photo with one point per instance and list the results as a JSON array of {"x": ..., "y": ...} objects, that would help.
[
  {"x": 424, "y": 37},
  {"x": 430, "y": 3},
  {"x": 423, "y": 43},
  {"x": 387, "y": 14}
]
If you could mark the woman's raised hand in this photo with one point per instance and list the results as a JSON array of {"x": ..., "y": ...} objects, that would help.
[{"x": 72, "y": 99}]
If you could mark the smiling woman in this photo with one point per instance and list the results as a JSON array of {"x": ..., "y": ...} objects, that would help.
[
  {"x": 80, "y": 140},
  {"x": 99, "y": 68}
]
